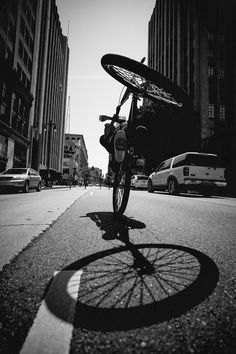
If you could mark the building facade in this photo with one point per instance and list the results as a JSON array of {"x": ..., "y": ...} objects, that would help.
[
  {"x": 34, "y": 58},
  {"x": 17, "y": 37},
  {"x": 193, "y": 44},
  {"x": 75, "y": 162},
  {"x": 51, "y": 89}
]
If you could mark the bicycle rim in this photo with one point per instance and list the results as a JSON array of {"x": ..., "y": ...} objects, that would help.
[
  {"x": 121, "y": 189},
  {"x": 144, "y": 80}
]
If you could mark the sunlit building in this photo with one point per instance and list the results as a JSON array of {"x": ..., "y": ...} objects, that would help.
[
  {"x": 75, "y": 162},
  {"x": 34, "y": 58},
  {"x": 17, "y": 38},
  {"x": 49, "y": 108}
]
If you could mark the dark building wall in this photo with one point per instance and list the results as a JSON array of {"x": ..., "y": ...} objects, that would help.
[
  {"x": 169, "y": 51},
  {"x": 193, "y": 44}
]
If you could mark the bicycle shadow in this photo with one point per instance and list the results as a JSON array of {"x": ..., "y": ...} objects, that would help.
[
  {"x": 134, "y": 285},
  {"x": 115, "y": 227}
]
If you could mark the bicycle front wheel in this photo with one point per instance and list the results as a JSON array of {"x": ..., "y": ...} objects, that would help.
[
  {"x": 144, "y": 80},
  {"x": 121, "y": 188}
]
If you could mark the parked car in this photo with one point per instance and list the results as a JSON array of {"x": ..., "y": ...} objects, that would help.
[
  {"x": 21, "y": 178},
  {"x": 139, "y": 181},
  {"x": 191, "y": 171}
]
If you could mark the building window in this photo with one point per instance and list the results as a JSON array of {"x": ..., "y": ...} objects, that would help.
[
  {"x": 210, "y": 36},
  {"x": 221, "y": 37},
  {"x": 222, "y": 112},
  {"x": 210, "y": 53},
  {"x": 221, "y": 72},
  {"x": 211, "y": 111},
  {"x": 210, "y": 71}
]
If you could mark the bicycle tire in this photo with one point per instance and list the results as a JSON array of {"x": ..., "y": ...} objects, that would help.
[
  {"x": 121, "y": 188},
  {"x": 134, "y": 75}
]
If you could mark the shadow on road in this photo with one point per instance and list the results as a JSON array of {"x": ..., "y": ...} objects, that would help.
[{"x": 133, "y": 285}]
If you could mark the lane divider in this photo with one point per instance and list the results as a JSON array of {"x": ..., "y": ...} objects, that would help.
[{"x": 49, "y": 334}]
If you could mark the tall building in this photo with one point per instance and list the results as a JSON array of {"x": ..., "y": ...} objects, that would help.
[
  {"x": 49, "y": 107},
  {"x": 34, "y": 58},
  {"x": 17, "y": 37},
  {"x": 75, "y": 162},
  {"x": 193, "y": 44}
]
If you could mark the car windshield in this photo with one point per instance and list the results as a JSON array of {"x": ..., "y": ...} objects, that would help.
[
  {"x": 15, "y": 171},
  {"x": 204, "y": 160},
  {"x": 142, "y": 178}
]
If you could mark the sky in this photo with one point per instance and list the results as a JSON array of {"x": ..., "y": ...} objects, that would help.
[{"x": 95, "y": 28}]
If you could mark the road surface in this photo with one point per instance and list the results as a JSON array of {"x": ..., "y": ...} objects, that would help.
[{"x": 161, "y": 279}]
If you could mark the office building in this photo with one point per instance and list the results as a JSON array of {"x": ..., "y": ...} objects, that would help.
[
  {"x": 34, "y": 58},
  {"x": 193, "y": 44},
  {"x": 17, "y": 37},
  {"x": 51, "y": 90},
  {"x": 75, "y": 162}
]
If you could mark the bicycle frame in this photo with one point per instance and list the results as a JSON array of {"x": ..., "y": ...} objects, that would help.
[
  {"x": 133, "y": 109},
  {"x": 121, "y": 187},
  {"x": 141, "y": 81}
]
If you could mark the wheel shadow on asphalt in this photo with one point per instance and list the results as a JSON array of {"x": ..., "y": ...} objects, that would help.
[{"x": 133, "y": 285}]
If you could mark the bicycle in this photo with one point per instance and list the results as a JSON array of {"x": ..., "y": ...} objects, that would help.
[{"x": 141, "y": 82}]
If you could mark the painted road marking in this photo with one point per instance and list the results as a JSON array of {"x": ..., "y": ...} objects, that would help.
[{"x": 50, "y": 334}]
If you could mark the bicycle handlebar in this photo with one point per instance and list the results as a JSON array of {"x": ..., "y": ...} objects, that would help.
[{"x": 117, "y": 119}]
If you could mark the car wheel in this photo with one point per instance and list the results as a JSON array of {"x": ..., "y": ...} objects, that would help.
[
  {"x": 150, "y": 187},
  {"x": 26, "y": 187},
  {"x": 38, "y": 189},
  {"x": 172, "y": 187}
]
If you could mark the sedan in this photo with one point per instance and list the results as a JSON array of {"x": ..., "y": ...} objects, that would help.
[
  {"x": 21, "y": 178},
  {"x": 139, "y": 181}
]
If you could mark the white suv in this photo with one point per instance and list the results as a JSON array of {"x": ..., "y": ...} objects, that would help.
[{"x": 191, "y": 171}]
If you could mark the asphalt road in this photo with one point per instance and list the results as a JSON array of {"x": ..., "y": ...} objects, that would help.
[{"x": 161, "y": 279}]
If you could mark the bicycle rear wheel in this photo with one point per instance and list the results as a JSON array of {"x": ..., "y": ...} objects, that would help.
[
  {"x": 144, "y": 80},
  {"x": 121, "y": 188}
]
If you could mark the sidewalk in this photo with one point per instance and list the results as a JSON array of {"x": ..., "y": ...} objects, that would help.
[{"x": 25, "y": 216}]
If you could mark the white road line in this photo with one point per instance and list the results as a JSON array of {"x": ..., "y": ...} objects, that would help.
[{"x": 49, "y": 333}]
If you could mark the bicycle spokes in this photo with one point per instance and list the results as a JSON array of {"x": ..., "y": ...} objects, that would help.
[
  {"x": 120, "y": 187},
  {"x": 137, "y": 80},
  {"x": 146, "y": 86},
  {"x": 160, "y": 94}
]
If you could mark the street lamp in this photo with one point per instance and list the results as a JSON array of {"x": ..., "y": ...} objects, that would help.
[{"x": 51, "y": 127}]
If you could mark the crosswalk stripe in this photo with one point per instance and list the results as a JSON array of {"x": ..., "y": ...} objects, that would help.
[{"x": 50, "y": 334}]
